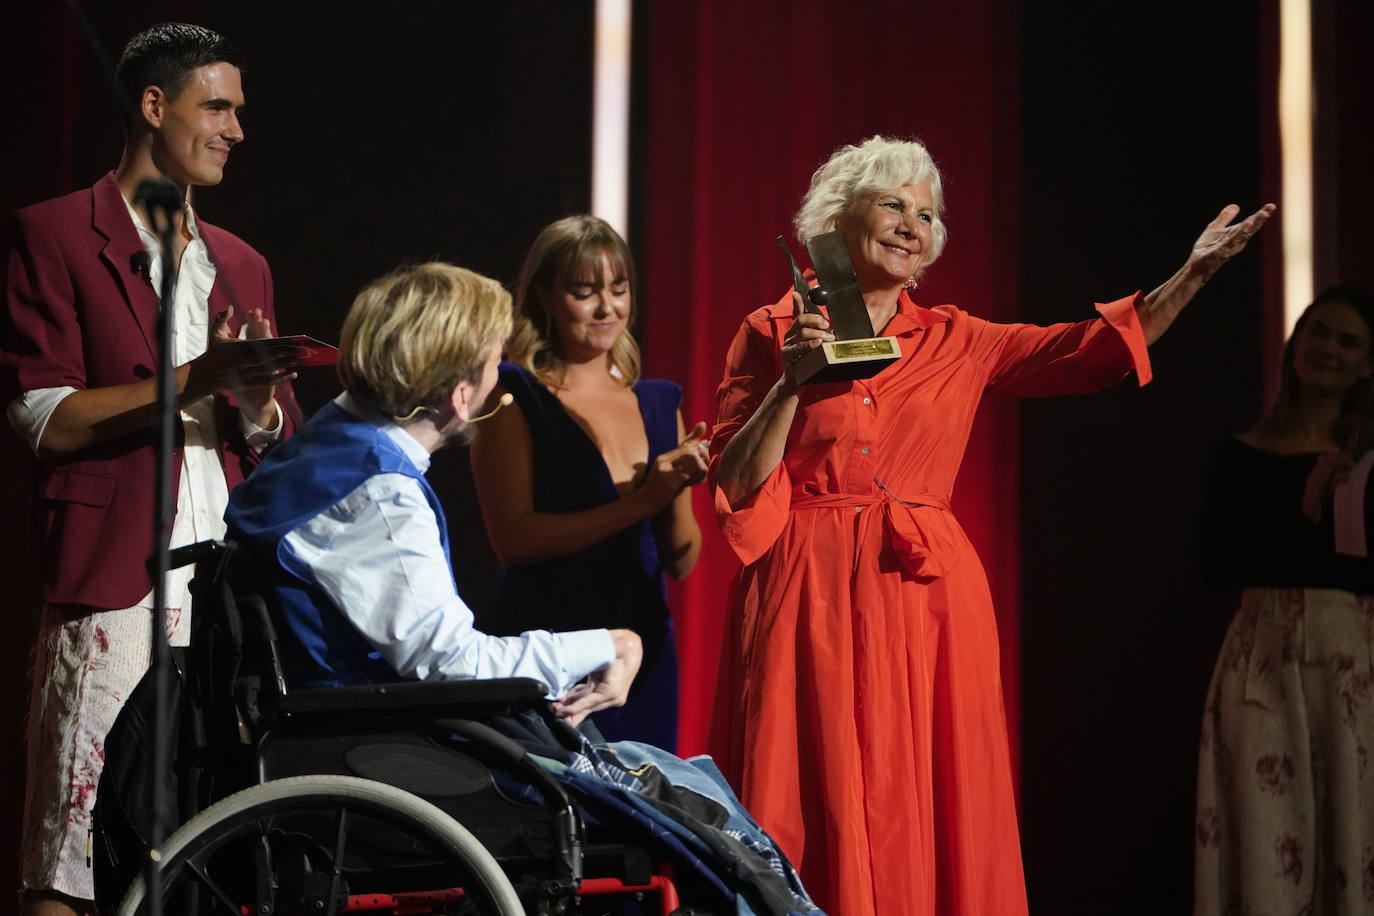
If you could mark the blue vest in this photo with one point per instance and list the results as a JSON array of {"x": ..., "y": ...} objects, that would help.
[{"x": 302, "y": 477}]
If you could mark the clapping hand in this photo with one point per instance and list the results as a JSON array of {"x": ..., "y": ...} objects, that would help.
[
  {"x": 259, "y": 398},
  {"x": 251, "y": 372},
  {"x": 684, "y": 466}
]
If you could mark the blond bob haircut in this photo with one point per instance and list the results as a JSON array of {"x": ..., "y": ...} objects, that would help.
[
  {"x": 567, "y": 253},
  {"x": 413, "y": 335},
  {"x": 855, "y": 173}
]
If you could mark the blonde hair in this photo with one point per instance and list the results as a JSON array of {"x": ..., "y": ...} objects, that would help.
[
  {"x": 411, "y": 336},
  {"x": 853, "y": 173},
  {"x": 566, "y": 253}
]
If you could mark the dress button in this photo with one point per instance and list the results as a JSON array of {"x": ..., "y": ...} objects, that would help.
[
  {"x": 868, "y": 400},
  {"x": 864, "y": 450},
  {"x": 858, "y": 508}
]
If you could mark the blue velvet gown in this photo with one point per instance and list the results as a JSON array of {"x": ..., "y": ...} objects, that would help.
[{"x": 617, "y": 582}]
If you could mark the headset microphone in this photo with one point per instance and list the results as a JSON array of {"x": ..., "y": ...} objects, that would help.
[{"x": 506, "y": 400}]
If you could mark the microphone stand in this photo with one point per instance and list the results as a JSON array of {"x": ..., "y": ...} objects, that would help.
[{"x": 162, "y": 201}]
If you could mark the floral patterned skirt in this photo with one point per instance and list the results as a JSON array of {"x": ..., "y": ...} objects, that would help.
[
  {"x": 85, "y": 665},
  {"x": 1285, "y": 806}
]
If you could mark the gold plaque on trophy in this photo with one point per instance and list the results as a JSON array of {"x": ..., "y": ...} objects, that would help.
[
  {"x": 865, "y": 349},
  {"x": 855, "y": 353}
]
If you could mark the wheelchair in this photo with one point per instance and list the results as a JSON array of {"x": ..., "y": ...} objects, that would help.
[{"x": 402, "y": 798}]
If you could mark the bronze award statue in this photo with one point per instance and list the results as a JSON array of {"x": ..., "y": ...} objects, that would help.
[{"x": 855, "y": 353}]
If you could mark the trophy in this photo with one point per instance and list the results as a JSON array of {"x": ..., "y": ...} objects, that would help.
[{"x": 855, "y": 353}]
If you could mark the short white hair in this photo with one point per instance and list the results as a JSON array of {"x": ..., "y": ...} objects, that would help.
[{"x": 854, "y": 173}]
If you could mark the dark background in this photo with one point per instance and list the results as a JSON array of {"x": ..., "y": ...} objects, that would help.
[
  {"x": 1134, "y": 127},
  {"x": 1118, "y": 637},
  {"x": 381, "y": 133}
]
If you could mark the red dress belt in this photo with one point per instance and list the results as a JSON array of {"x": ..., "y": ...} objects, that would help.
[{"x": 920, "y": 529}]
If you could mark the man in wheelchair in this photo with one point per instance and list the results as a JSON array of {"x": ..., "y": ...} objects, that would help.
[{"x": 390, "y": 757}]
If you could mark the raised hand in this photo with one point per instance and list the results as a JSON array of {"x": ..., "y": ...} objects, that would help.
[
  {"x": 1218, "y": 243},
  {"x": 1223, "y": 240}
]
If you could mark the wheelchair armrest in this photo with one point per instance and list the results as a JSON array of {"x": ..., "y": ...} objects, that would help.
[
  {"x": 200, "y": 552},
  {"x": 413, "y": 700}
]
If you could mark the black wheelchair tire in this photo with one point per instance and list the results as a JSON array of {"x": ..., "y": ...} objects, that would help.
[{"x": 232, "y": 817}]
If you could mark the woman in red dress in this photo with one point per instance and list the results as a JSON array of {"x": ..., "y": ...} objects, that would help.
[{"x": 859, "y": 710}]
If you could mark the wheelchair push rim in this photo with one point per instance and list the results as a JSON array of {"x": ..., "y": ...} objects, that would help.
[{"x": 262, "y": 814}]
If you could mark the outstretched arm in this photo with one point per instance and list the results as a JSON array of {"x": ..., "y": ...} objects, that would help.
[{"x": 1217, "y": 244}]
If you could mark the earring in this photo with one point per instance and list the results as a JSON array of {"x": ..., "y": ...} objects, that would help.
[{"x": 910, "y": 283}]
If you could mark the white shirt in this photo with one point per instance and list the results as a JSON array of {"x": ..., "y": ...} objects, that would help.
[
  {"x": 378, "y": 556},
  {"x": 202, "y": 493}
]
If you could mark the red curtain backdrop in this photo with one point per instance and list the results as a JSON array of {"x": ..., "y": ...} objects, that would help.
[{"x": 736, "y": 105}]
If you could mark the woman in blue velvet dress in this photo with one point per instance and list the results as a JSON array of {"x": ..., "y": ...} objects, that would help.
[{"x": 584, "y": 483}]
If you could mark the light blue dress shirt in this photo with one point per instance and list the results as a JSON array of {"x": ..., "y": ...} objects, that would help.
[{"x": 377, "y": 555}]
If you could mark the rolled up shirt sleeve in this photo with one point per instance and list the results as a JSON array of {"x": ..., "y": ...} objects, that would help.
[
  {"x": 30, "y": 412},
  {"x": 378, "y": 557},
  {"x": 752, "y": 366},
  {"x": 1027, "y": 360},
  {"x": 257, "y": 437}
]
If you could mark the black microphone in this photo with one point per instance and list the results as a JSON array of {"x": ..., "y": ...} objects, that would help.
[{"x": 159, "y": 195}]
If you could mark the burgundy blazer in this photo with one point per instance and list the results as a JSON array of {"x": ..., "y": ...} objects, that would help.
[{"x": 81, "y": 313}]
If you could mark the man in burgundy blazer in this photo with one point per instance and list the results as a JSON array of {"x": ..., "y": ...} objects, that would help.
[
  {"x": 78, "y": 357},
  {"x": 84, "y": 315}
]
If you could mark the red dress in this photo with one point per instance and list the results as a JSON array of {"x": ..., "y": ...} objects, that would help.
[{"x": 859, "y": 708}]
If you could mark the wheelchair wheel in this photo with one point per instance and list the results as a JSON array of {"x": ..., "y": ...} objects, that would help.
[{"x": 313, "y": 844}]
